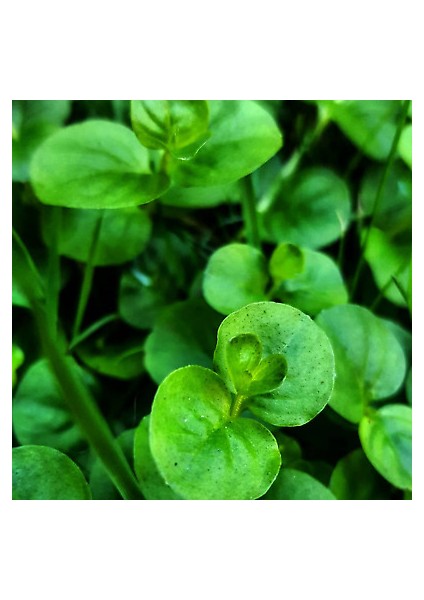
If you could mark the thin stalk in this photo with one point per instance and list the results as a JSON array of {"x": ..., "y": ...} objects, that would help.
[
  {"x": 92, "y": 329},
  {"x": 87, "y": 279},
  {"x": 250, "y": 216},
  {"x": 53, "y": 274},
  {"x": 237, "y": 405},
  {"x": 86, "y": 413},
  {"x": 379, "y": 194}
]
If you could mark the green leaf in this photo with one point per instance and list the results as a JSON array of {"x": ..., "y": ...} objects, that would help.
[
  {"x": 286, "y": 262},
  {"x": 77, "y": 228},
  {"x": 121, "y": 359},
  {"x": 389, "y": 258},
  {"x": 386, "y": 437},
  {"x": 101, "y": 485},
  {"x": 151, "y": 482},
  {"x": 235, "y": 275},
  {"x": 202, "y": 197},
  {"x": 183, "y": 334},
  {"x": 369, "y": 124},
  {"x": 354, "y": 478},
  {"x": 286, "y": 331},
  {"x": 370, "y": 363},
  {"x": 393, "y": 214},
  {"x": 292, "y": 484},
  {"x": 243, "y": 356},
  {"x": 40, "y": 414},
  {"x": 268, "y": 375},
  {"x": 243, "y": 137},
  {"x": 42, "y": 473},
  {"x": 18, "y": 358},
  {"x": 179, "y": 126},
  {"x": 95, "y": 164},
  {"x": 405, "y": 145},
  {"x": 33, "y": 121},
  {"x": 312, "y": 209},
  {"x": 202, "y": 452},
  {"x": 320, "y": 285}
]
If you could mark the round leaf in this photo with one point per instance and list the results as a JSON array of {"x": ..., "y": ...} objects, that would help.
[
  {"x": 39, "y": 413},
  {"x": 77, "y": 228},
  {"x": 183, "y": 334},
  {"x": 95, "y": 164},
  {"x": 292, "y": 484},
  {"x": 152, "y": 484},
  {"x": 201, "y": 451},
  {"x": 286, "y": 262},
  {"x": 235, "y": 275},
  {"x": 370, "y": 363},
  {"x": 42, "y": 473},
  {"x": 354, "y": 478},
  {"x": 312, "y": 209},
  {"x": 283, "y": 330},
  {"x": 243, "y": 137},
  {"x": 320, "y": 284},
  {"x": 386, "y": 437}
]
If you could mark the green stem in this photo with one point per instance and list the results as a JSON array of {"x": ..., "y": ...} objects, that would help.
[
  {"x": 379, "y": 194},
  {"x": 237, "y": 405},
  {"x": 87, "y": 279},
  {"x": 86, "y": 413},
  {"x": 92, "y": 329},
  {"x": 250, "y": 216},
  {"x": 53, "y": 275}
]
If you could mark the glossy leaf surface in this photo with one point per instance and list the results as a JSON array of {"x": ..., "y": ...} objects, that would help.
[
  {"x": 183, "y": 334},
  {"x": 243, "y": 137},
  {"x": 95, "y": 164},
  {"x": 370, "y": 363},
  {"x": 77, "y": 227},
  {"x": 386, "y": 437},
  {"x": 43, "y": 473},
  {"x": 199, "y": 449},
  {"x": 292, "y": 484},
  {"x": 235, "y": 275},
  {"x": 286, "y": 331},
  {"x": 312, "y": 209}
]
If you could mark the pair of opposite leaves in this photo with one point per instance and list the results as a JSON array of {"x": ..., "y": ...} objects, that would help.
[
  {"x": 100, "y": 164},
  {"x": 272, "y": 360}
]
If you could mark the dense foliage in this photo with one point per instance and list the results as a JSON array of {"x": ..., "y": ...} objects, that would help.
[{"x": 212, "y": 300}]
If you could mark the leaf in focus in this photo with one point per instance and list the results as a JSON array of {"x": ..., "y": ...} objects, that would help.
[
  {"x": 199, "y": 450},
  {"x": 235, "y": 275},
  {"x": 285, "y": 331},
  {"x": 178, "y": 126},
  {"x": 312, "y": 209},
  {"x": 183, "y": 334},
  {"x": 243, "y": 356},
  {"x": 96, "y": 164},
  {"x": 268, "y": 375},
  {"x": 292, "y": 484},
  {"x": 354, "y": 478},
  {"x": 40, "y": 415},
  {"x": 370, "y": 363},
  {"x": 320, "y": 285},
  {"x": 33, "y": 121},
  {"x": 77, "y": 227},
  {"x": 152, "y": 484},
  {"x": 286, "y": 262},
  {"x": 243, "y": 137},
  {"x": 43, "y": 473},
  {"x": 386, "y": 437}
]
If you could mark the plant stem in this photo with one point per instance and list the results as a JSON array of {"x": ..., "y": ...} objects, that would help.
[
  {"x": 86, "y": 413},
  {"x": 250, "y": 216},
  {"x": 92, "y": 329},
  {"x": 379, "y": 194},
  {"x": 87, "y": 279},
  {"x": 237, "y": 405},
  {"x": 53, "y": 277}
]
